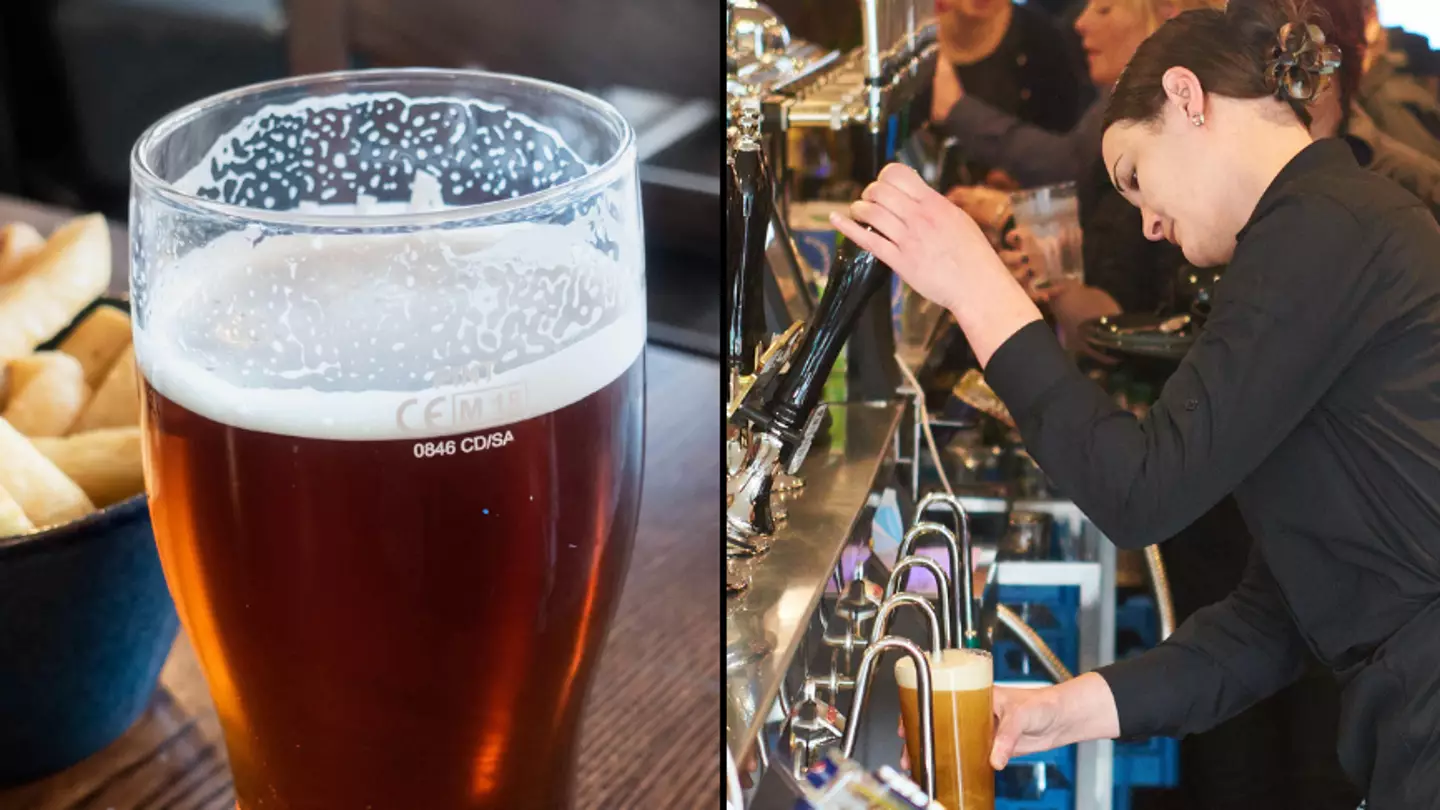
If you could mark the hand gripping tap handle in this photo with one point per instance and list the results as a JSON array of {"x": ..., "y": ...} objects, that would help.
[
  {"x": 855, "y": 276},
  {"x": 750, "y": 204}
]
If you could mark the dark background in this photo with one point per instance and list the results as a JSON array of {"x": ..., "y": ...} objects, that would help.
[{"x": 81, "y": 79}]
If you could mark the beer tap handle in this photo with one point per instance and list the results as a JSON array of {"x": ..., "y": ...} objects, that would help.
[
  {"x": 750, "y": 203},
  {"x": 855, "y": 277},
  {"x": 942, "y": 588},
  {"x": 858, "y": 603},
  {"x": 923, "y": 694},
  {"x": 965, "y": 586},
  {"x": 959, "y": 579},
  {"x": 920, "y": 603}
]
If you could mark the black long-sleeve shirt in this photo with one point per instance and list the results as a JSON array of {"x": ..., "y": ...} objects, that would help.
[{"x": 1313, "y": 395}]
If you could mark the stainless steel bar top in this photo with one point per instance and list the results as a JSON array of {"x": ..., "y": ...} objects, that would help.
[{"x": 764, "y": 624}]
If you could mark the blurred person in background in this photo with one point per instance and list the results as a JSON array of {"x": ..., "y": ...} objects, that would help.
[
  {"x": 1339, "y": 112},
  {"x": 1110, "y": 31},
  {"x": 1015, "y": 60},
  {"x": 1400, "y": 104},
  {"x": 1124, "y": 272}
]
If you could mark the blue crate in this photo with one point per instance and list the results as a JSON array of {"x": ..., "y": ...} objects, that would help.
[
  {"x": 1137, "y": 626},
  {"x": 1053, "y": 612},
  {"x": 1056, "y": 799},
  {"x": 1150, "y": 763},
  {"x": 1013, "y": 662},
  {"x": 1065, "y": 598},
  {"x": 1059, "y": 789}
]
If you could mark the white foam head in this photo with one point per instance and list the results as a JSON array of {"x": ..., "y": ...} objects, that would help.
[
  {"x": 957, "y": 671},
  {"x": 391, "y": 335}
]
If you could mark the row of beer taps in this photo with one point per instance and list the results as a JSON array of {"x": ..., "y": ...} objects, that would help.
[
  {"x": 774, "y": 412},
  {"x": 861, "y": 625}
]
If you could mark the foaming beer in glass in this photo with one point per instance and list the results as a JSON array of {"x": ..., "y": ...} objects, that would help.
[
  {"x": 390, "y": 326},
  {"x": 962, "y": 682}
]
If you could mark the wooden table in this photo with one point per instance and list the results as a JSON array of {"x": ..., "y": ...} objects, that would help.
[{"x": 652, "y": 723}]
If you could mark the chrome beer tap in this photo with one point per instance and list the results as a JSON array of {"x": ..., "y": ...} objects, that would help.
[
  {"x": 811, "y": 727},
  {"x": 750, "y": 202},
  {"x": 858, "y": 603},
  {"x": 965, "y": 585},
  {"x": 942, "y": 589},
  {"x": 816, "y": 722},
  {"x": 923, "y": 695},
  {"x": 968, "y": 637},
  {"x": 920, "y": 603}
]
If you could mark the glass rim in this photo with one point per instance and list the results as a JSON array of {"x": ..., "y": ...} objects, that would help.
[
  {"x": 1040, "y": 192},
  {"x": 144, "y": 176}
]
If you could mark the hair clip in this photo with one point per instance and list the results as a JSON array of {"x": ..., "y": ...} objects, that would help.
[{"x": 1301, "y": 62}]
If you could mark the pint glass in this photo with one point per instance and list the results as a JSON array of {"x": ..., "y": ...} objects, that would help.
[
  {"x": 1050, "y": 217},
  {"x": 390, "y": 327},
  {"x": 962, "y": 682}
]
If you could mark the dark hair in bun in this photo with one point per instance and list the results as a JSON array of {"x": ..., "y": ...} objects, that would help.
[{"x": 1252, "y": 49}]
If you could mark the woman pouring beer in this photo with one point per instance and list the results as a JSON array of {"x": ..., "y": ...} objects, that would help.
[{"x": 1313, "y": 394}]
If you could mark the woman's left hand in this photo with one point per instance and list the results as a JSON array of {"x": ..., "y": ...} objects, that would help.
[{"x": 938, "y": 249}]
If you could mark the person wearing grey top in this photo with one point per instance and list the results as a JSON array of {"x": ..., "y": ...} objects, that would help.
[{"x": 1110, "y": 30}]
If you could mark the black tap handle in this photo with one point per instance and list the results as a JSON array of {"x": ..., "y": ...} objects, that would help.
[
  {"x": 750, "y": 204},
  {"x": 855, "y": 276}
]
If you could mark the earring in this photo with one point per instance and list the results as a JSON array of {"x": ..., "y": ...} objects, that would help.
[{"x": 1198, "y": 119}]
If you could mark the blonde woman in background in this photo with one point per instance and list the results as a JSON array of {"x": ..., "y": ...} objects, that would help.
[{"x": 1110, "y": 31}]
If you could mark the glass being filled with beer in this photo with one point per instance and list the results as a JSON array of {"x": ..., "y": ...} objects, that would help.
[
  {"x": 962, "y": 682},
  {"x": 390, "y": 326}
]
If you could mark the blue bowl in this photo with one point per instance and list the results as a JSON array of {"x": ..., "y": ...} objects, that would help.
[{"x": 86, "y": 623}]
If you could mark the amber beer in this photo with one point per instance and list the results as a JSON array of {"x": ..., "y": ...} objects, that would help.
[
  {"x": 397, "y": 592},
  {"x": 962, "y": 681}
]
